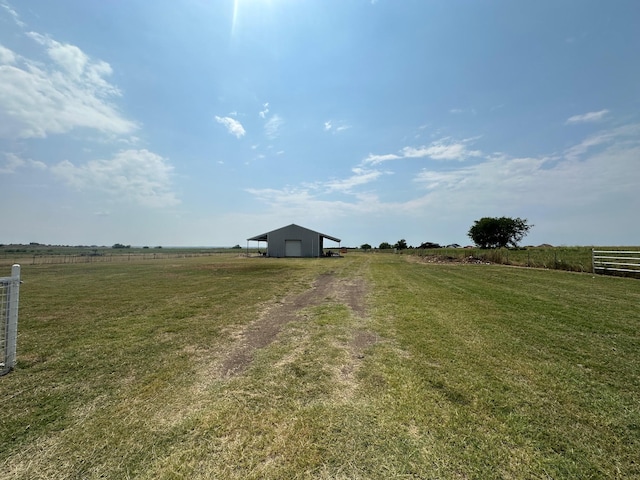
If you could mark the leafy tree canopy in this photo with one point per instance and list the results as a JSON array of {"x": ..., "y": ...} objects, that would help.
[
  {"x": 401, "y": 244},
  {"x": 365, "y": 247},
  {"x": 494, "y": 232},
  {"x": 385, "y": 246}
]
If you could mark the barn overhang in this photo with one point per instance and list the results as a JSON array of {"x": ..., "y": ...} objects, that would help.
[{"x": 334, "y": 239}]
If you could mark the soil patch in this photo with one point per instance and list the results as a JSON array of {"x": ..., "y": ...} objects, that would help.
[
  {"x": 447, "y": 259},
  {"x": 260, "y": 333}
]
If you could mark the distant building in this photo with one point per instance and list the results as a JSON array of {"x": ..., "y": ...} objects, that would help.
[{"x": 293, "y": 241}]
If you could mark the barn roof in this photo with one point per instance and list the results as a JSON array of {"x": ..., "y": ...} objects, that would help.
[{"x": 263, "y": 237}]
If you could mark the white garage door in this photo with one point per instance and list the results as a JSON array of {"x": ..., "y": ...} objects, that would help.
[{"x": 293, "y": 248}]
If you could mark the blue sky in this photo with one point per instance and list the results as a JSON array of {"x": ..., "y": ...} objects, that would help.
[{"x": 203, "y": 122}]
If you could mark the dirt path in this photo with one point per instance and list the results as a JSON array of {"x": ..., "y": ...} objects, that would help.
[{"x": 328, "y": 288}]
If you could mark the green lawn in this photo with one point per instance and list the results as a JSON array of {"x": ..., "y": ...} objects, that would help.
[{"x": 470, "y": 371}]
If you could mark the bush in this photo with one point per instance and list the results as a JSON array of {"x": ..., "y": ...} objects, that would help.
[{"x": 426, "y": 245}]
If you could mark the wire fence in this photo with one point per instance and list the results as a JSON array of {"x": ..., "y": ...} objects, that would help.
[
  {"x": 9, "y": 297},
  {"x": 59, "y": 258}
]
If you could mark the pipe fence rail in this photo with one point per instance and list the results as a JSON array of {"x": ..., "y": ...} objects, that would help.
[{"x": 626, "y": 262}]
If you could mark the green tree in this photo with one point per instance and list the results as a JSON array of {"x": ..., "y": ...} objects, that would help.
[
  {"x": 401, "y": 244},
  {"x": 494, "y": 232},
  {"x": 365, "y": 247},
  {"x": 385, "y": 246}
]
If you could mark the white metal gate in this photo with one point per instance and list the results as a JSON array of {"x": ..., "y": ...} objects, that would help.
[
  {"x": 616, "y": 261},
  {"x": 9, "y": 295}
]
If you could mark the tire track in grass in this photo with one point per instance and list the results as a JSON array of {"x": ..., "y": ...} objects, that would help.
[{"x": 327, "y": 288}]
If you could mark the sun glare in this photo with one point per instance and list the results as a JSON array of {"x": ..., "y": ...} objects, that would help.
[
  {"x": 247, "y": 7},
  {"x": 234, "y": 19}
]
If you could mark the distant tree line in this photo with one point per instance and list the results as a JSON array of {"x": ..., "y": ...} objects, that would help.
[{"x": 487, "y": 232}]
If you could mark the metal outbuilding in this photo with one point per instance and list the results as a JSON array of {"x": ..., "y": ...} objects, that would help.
[{"x": 293, "y": 241}]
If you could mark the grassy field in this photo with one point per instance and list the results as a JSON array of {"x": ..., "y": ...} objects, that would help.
[{"x": 441, "y": 371}]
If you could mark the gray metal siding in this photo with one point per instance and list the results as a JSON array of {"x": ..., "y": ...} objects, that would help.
[{"x": 310, "y": 241}]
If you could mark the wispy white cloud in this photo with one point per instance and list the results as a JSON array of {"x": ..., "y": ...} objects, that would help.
[
  {"x": 443, "y": 149},
  {"x": 457, "y": 111},
  {"x": 361, "y": 176},
  {"x": 589, "y": 117},
  {"x": 14, "y": 162},
  {"x": 336, "y": 127},
  {"x": 575, "y": 178},
  {"x": 234, "y": 127},
  {"x": 272, "y": 127},
  {"x": 137, "y": 176},
  {"x": 263, "y": 113},
  {"x": 316, "y": 197},
  {"x": 376, "y": 159},
  {"x": 498, "y": 176},
  {"x": 626, "y": 134},
  {"x": 306, "y": 202},
  {"x": 14, "y": 15},
  {"x": 11, "y": 164},
  {"x": 70, "y": 91}
]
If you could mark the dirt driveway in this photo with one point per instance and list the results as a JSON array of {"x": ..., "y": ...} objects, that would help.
[{"x": 327, "y": 288}]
